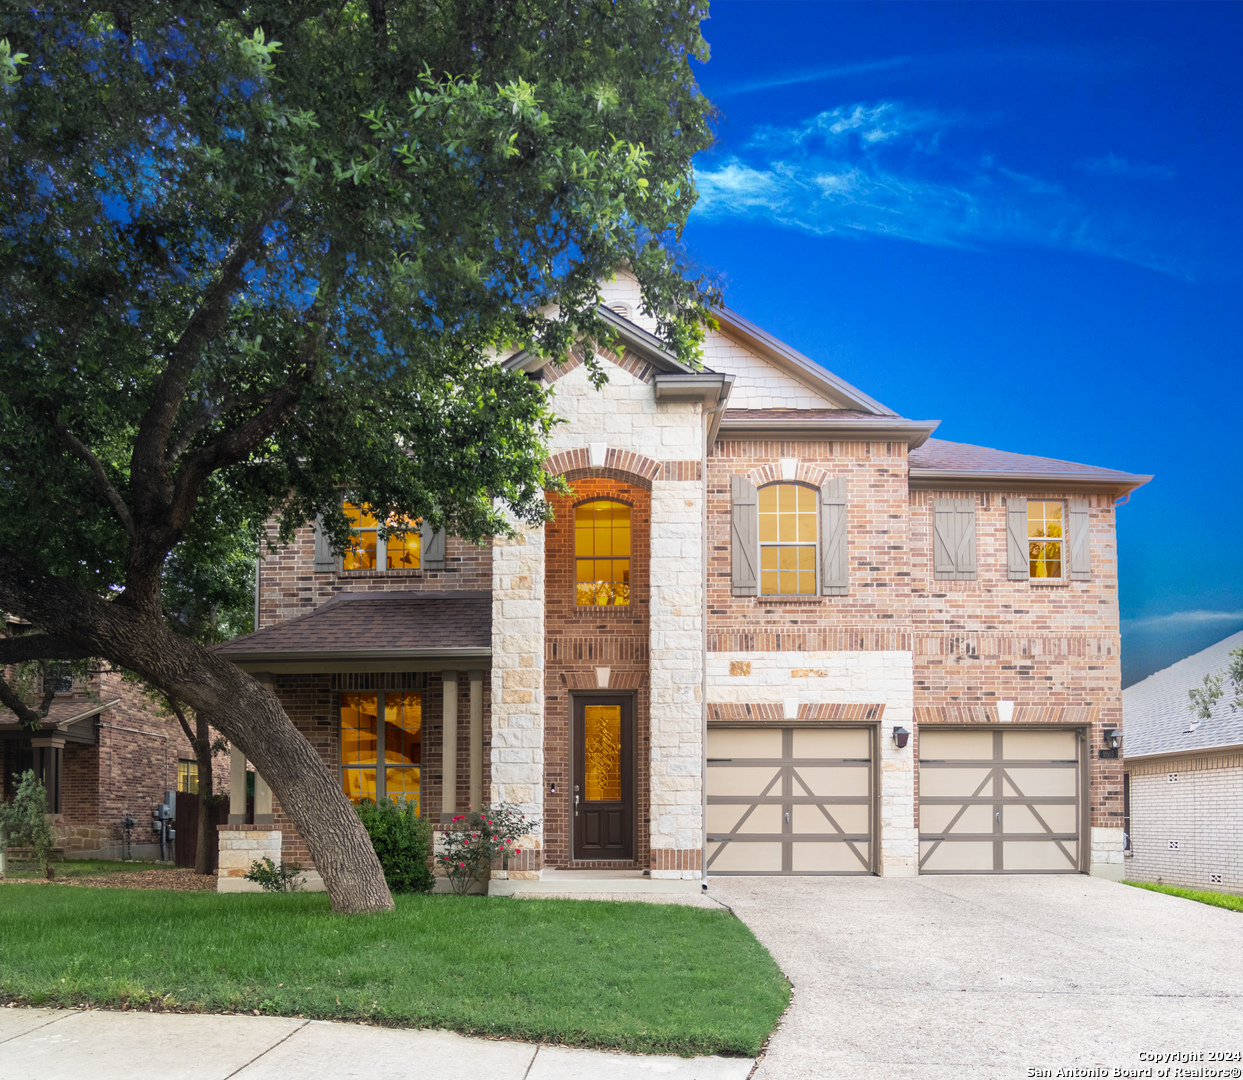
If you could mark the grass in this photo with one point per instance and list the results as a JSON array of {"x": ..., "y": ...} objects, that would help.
[
  {"x": 22, "y": 869},
  {"x": 631, "y": 976},
  {"x": 1216, "y": 899}
]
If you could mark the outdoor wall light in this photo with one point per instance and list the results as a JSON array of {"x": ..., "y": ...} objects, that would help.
[
  {"x": 901, "y": 736},
  {"x": 1112, "y": 738}
]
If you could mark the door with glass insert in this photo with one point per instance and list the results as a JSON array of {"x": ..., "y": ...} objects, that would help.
[{"x": 603, "y": 800}]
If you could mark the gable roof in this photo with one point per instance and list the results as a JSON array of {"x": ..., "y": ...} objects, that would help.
[
  {"x": 61, "y": 715},
  {"x": 1156, "y": 711},
  {"x": 939, "y": 461},
  {"x": 357, "y": 626}
]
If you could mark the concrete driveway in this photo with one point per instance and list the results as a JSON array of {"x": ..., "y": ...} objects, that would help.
[{"x": 994, "y": 977}]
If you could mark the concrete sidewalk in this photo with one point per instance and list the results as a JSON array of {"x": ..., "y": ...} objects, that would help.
[{"x": 77, "y": 1044}]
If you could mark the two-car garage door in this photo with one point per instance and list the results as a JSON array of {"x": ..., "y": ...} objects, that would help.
[
  {"x": 789, "y": 800},
  {"x": 799, "y": 800}
]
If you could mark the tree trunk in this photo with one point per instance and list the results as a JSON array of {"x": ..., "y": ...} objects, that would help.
[
  {"x": 246, "y": 713},
  {"x": 207, "y": 818}
]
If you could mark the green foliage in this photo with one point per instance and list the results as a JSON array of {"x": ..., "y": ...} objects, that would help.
[
  {"x": 402, "y": 842},
  {"x": 274, "y": 878},
  {"x": 1201, "y": 896},
  {"x": 24, "y": 820},
  {"x": 252, "y": 255},
  {"x": 1205, "y": 698},
  {"x": 647, "y": 978}
]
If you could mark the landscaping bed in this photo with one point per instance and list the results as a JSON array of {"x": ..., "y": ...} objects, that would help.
[
  {"x": 639, "y": 977},
  {"x": 112, "y": 874}
]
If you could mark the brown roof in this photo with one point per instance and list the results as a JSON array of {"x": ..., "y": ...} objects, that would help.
[
  {"x": 369, "y": 624},
  {"x": 63, "y": 712},
  {"x": 937, "y": 458}
]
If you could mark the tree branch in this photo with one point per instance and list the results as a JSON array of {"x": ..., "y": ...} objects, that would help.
[
  {"x": 97, "y": 470},
  {"x": 19, "y": 650},
  {"x": 26, "y": 716},
  {"x": 181, "y": 718}
]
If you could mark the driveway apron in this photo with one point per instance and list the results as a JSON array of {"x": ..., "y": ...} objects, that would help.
[{"x": 993, "y": 977}]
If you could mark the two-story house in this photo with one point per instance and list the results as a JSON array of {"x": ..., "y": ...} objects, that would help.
[{"x": 776, "y": 629}]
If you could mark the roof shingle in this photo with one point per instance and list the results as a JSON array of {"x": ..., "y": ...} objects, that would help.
[{"x": 939, "y": 455}]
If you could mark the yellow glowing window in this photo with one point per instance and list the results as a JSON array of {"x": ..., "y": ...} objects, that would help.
[
  {"x": 398, "y": 743},
  {"x": 370, "y": 551},
  {"x": 188, "y": 776},
  {"x": 789, "y": 530},
  {"x": 602, "y": 753},
  {"x": 1044, "y": 534},
  {"x": 602, "y": 554}
]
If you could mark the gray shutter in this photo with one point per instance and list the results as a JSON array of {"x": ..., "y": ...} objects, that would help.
[
  {"x": 744, "y": 531},
  {"x": 325, "y": 560},
  {"x": 1017, "y": 548},
  {"x": 834, "y": 567},
  {"x": 1080, "y": 540},
  {"x": 432, "y": 545},
  {"x": 944, "y": 539},
  {"x": 964, "y": 557}
]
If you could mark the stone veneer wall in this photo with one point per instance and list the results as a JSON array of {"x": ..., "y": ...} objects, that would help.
[
  {"x": 1187, "y": 821},
  {"x": 241, "y": 845}
]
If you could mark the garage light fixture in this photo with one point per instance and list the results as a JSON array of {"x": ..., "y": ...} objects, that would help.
[
  {"x": 1112, "y": 738},
  {"x": 901, "y": 736}
]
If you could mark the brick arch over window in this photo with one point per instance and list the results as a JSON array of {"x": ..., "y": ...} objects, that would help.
[
  {"x": 618, "y": 465},
  {"x": 770, "y": 473}
]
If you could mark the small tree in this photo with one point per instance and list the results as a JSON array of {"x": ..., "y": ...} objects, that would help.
[
  {"x": 25, "y": 820},
  {"x": 1204, "y": 698}
]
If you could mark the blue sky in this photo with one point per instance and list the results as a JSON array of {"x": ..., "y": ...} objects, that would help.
[{"x": 1022, "y": 220}]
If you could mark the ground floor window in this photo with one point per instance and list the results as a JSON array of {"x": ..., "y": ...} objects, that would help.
[
  {"x": 381, "y": 760},
  {"x": 188, "y": 776}
]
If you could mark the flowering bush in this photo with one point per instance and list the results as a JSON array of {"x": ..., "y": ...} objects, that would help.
[{"x": 476, "y": 840}]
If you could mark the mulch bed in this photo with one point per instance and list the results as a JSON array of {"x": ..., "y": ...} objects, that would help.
[{"x": 179, "y": 880}]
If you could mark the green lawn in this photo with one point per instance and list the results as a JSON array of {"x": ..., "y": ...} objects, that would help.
[
  {"x": 21, "y": 869},
  {"x": 632, "y": 976},
  {"x": 1217, "y": 899}
]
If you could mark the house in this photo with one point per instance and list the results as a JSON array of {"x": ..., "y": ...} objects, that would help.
[
  {"x": 776, "y": 629},
  {"x": 102, "y": 752},
  {"x": 1184, "y": 777}
]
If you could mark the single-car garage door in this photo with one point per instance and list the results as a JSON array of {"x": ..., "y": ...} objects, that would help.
[
  {"x": 793, "y": 800},
  {"x": 999, "y": 801}
]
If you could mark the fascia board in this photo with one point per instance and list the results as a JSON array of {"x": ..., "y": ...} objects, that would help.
[
  {"x": 260, "y": 659},
  {"x": 915, "y": 432},
  {"x": 649, "y": 346},
  {"x": 795, "y": 364},
  {"x": 924, "y": 479},
  {"x": 1181, "y": 755},
  {"x": 708, "y": 387},
  {"x": 344, "y": 662}
]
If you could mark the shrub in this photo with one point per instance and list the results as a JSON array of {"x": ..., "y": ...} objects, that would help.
[
  {"x": 479, "y": 839},
  {"x": 402, "y": 842},
  {"x": 24, "y": 820},
  {"x": 273, "y": 878}
]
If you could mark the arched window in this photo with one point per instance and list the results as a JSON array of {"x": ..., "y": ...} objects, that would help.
[
  {"x": 789, "y": 530},
  {"x": 602, "y": 553}
]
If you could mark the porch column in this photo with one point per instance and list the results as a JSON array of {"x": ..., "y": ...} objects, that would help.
[
  {"x": 476, "y": 740},
  {"x": 448, "y": 790},
  {"x": 237, "y": 786},
  {"x": 263, "y": 801}
]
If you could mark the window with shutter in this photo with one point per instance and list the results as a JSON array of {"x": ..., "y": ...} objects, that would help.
[
  {"x": 834, "y": 556},
  {"x": 325, "y": 560},
  {"x": 743, "y": 536},
  {"x": 1018, "y": 565},
  {"x": 789, "y": 527},
  {"x": 1079, "y": 539}
]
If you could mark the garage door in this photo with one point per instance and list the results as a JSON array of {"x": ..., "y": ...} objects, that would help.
[
  {"x": 789, "y": 801},
  {"x": 998, "y": 802}
]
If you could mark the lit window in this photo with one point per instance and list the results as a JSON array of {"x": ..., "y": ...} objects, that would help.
[
  {"x": 602, "y": 553},
  {"x": 789, "y": 529},
  {"x": 1044, "y": 533},
  {"x": 370, "y": 552},
  {"x": 188, "y": 776},
  {"x": 398, "y": 743}
]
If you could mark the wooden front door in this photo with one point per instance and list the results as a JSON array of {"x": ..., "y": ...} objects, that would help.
[{"x": 603, "y": 797}]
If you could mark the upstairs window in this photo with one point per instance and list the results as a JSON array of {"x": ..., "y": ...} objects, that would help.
[
  {"x": 789, "y": 532},
  {"x": 602, "y": 554},
  {"x": 1045, "y": 535},
  {"x": 370, "y": 552}
]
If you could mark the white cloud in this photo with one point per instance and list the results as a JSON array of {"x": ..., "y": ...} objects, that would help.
[{"x": 1182, "y": 620}]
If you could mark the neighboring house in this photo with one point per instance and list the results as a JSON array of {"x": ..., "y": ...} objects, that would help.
[
  {"x": 1184, "y": 777},
  {"x": 700, "y": 663},
  {"x": 101, "y": 752}
]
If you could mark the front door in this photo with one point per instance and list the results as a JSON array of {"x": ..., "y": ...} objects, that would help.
[{"x": 603, "y": 807}]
